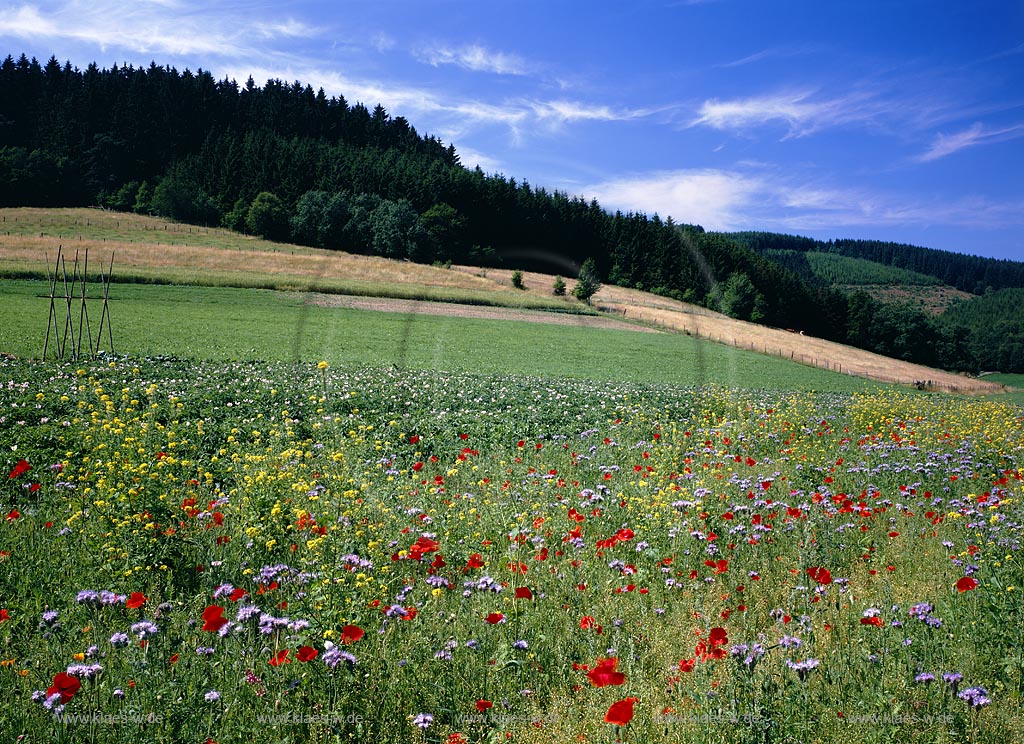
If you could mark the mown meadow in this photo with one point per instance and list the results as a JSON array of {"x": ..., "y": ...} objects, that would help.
[{"x": 294, "y": 551}]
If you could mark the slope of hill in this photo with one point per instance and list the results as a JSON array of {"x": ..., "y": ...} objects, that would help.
[{"x": 152, "y": 250}]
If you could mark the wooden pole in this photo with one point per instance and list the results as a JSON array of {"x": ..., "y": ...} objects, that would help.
[
  {"x": 84, "y": 312},
  {"x": 52, "y": 317},
  {"x": 105, "y": 315}
]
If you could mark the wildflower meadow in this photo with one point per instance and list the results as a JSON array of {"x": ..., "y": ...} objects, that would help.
[{"x": 244, "y": 552}]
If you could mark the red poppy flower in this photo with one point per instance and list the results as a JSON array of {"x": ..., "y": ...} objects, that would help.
[
  {"x": 414, "y": 439},
  {"x": 20, "y": 468},
  {"x": 821, "y": 575},
  {"x": 718, "y": 637},
  {"x": 351, "y": 634},
  {"x": 422, "y": 546},
  {"x": 523, "y": 592},
  {"x": 173, "y": 659},
  {"x": 12, "y": 515},
  {"x": 280, "y": 658},
  {"x": 687, "y": 665},
  {"x": 966, "y": 584},
  {"x": 213, "y": 618},
  {"x": 587, "y": 621},
  {"x": 306, "y": 653},
  {"x": 874, "y": 620},
  {"x": 475, "y": 561},
  {"x": 482, "y": 705},
  {"x": 621, "y": 712},
  {"x": 4, "y": 615},
  {"x": 237, "y": 593},
  {"x": 64, "y": 684},
  {"x": 136, "y": 600},
  {"x": 605, "y": 674},
  {"x": 495, "y": 617}
]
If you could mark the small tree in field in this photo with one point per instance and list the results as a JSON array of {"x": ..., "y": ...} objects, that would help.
[
  {"x": 558, "y": 288},
  {"x": 588, "y": 283},
  {"x": 517, "y": 280}
]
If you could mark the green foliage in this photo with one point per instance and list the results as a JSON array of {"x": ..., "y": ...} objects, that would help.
[
  {"x": 446, "y": 230},
  {"x": 236, "y": 218},
  {"x": 180, "y": 197},
  {"x": 588, "y": 282},
  {"x": 835, "y": 268},
  {"x": 996, "y": 323},
  {"x": 517, "y": 279},
  {"x": 267, "y": 217},
  {"x": 558, "y": 288},
  {"x": 740, "y": 299},
  {"x": 124, "y": 199},
  {"x": 143, "y": 199},
  {"x": 396, "y": 230}
]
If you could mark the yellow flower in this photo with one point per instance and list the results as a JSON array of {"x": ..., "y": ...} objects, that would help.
[{"x": 321, "y": 365}]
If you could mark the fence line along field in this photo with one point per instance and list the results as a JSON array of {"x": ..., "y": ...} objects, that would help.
[{"x": 266, "y": 552}]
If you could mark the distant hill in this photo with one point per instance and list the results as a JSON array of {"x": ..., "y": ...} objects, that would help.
[
  {"x": 909, "y": 280},
  {"x": 837, "y": 269},
  {"x": 974, "y": 274}
]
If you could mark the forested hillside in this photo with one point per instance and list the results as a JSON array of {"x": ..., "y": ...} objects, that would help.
[
  {"x": 290, "y": 163},
  {"x": 974, "y": 274},
  {"x": 997, "y": 321}
]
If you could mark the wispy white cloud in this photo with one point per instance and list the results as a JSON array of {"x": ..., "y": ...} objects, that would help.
[
  {"x": 155, "y": 27},
  {"x": 564, "y": 111},
  {"x": 976, "y": 134},
  {"x": 474, "y": 57},
  {"x": 383, "y": 42},
  {"x": 289, "y": 28},
  {"x": 25, "y": 22},
  {"x": 447, "y": 114},
  {"x": 716, "y": 199},
  {"x": 801, "y": 111},
  {"x": 744, "y": 199},
  {"x": 770, "y": 53},
  {"x": 439, "y": 112},
  {"x": 472, "y": 158}
]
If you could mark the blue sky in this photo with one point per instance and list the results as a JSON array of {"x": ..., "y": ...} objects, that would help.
[{"x": 869, "y": 119}]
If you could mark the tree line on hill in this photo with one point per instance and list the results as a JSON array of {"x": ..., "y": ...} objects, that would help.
[
  {"x": 974, "y": 274},
  {"x": 289, "y": 163}
]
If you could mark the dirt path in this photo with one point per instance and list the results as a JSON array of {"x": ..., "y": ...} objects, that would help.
[{"x": 420, "y": 307}]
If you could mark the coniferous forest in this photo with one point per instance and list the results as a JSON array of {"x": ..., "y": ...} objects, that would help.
[{"x": 289, "y": 163}]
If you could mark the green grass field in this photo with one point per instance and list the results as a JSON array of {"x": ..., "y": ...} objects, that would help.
[
  {"x": 1016, "y": 381},
  {"x": 218, "y": 323}
]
